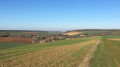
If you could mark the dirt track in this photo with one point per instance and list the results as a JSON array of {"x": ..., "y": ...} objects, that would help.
[
  {"x": 89, "y": 56},
  {"x": 16, "y": 40}
]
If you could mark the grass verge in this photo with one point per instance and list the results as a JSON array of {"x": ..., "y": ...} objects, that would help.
[{"x": 107, "y": 54}]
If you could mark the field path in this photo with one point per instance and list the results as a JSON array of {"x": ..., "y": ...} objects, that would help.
[{"x": 89, "y": 56}]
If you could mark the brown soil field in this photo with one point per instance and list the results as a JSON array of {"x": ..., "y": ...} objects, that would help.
[
  {"x": 72, "y": 33},
  {"x": 16, "y": 40}
]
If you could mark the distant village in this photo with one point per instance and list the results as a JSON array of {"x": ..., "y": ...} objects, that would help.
[
  {"x": 43, "y": 39},
  {"x": 37, "y": 38}
]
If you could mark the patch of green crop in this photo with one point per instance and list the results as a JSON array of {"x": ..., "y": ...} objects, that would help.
[
  {"x": 2, "y": 33},
  {"x": 107, "y": 54},
  {"x": 4, "y": 45}
]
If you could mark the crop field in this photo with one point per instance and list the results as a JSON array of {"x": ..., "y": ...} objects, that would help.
[
  {"x": 62, "y": 53},
  {"x": 17, "y": 40},
  {"x": 107, "y": 53},
  {"x": 88, "y": 32},
  {"x": 4, "y": 45},
  {"x": 72, "y": 33},
  {"x": 59, "y": 33},
  {"x": 116, "y": 33},
  {"x": 93, "y": 32},
  {"x": 1, "y": 33},
  {"x": 97, "y": 51}
]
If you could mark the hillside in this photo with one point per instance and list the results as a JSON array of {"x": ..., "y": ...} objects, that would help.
[
  {"x": 60, "y": 53},
  {"x": 91, "y": 51}
]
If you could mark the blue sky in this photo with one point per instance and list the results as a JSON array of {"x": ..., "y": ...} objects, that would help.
[{"x": 54, "y": 15}]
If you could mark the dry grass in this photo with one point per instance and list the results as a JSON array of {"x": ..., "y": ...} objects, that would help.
[
  {"x": 52, "y": 57},
  {"x": 89, "y": 56},
  {"x": 107, "y": 53},
  {"x": 72, "y": 33}
]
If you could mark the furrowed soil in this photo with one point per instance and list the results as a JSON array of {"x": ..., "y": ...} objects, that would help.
[
  {"x": 58, "y": 56},
  {"x": 16, "y": 40}
]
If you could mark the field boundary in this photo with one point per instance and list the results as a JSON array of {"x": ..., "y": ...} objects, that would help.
[{"x": 88, "y": 56}]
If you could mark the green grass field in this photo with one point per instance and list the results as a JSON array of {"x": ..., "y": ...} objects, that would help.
[{"x": 107, "y": 53}]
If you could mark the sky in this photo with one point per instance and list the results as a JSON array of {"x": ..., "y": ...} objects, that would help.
[{"x": 59, "y": 15}]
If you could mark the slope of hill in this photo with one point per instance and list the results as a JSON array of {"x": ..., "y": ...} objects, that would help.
[{"x": 60, "y": 53}]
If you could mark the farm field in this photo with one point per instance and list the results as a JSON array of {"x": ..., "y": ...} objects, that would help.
[
  {"x": 42, "y": 33},
  {"x": 96, "y": 51},
  {"x": 60, "y": 33},
  {"x": 62, "y": 53},
  {"x": 88, "y": 32},
  {"x": 4, "y": 45},
  {"x": 94, "y": 32},
  {"x": 73, "y": 33},
  {"x": 18, "y": 40},
  {"x": 107, "y": 53}
]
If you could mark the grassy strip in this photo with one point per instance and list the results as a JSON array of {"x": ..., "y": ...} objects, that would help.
[
  {"x": 107, "y": 54},
  {"x": 76, "y": 58}
]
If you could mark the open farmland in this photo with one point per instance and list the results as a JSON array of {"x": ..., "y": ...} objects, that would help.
[
  {"x": 93, "y": 51},
  {"x": 18, "y": 40},
  {"x": 30, "y": 32},
  {"x": 72, "y": 33},
  {"x": 94, "y": 32},
  {"x": 4, "y": 45},
  {"x": 59, "y": 33},
  {"x": 107, "y": 53},
  {"x": 62, "y": 53},
  {"x": 89, "y": 32}
]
